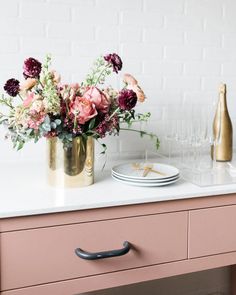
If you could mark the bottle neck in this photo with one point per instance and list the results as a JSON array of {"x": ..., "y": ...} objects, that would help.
[{"x": 222, "y": 102}]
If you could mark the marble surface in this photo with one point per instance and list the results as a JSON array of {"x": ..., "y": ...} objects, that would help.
[{"x": 24, "y": 192}]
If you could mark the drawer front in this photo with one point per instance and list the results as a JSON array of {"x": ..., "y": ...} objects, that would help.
[
  {"x": 46, "y": 255},
  {"x": 212, "y": 231}
]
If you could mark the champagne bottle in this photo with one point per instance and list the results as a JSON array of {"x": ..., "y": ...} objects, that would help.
[{"x": 222, "y": 130}]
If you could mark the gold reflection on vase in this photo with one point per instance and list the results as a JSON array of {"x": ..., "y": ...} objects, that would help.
[{"x": 71, "y": 166}]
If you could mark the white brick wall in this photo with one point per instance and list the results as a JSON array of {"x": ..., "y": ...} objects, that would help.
[{"x": 179, "y": 50}]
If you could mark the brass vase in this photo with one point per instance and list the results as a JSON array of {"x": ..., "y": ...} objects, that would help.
[{"x": 71, "y": 166}]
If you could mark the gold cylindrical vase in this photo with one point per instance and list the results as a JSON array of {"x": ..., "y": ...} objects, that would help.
[{"x": 70, "y": 165}]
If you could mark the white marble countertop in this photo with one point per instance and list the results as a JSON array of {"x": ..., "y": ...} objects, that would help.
[{"x": 24, "y": 192}]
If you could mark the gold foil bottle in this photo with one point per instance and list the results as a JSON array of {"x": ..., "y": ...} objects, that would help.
[{"x": 222, "y": 130}]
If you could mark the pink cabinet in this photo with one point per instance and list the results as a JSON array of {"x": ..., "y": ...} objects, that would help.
[
  {"x": 38, "y": 256},
  {"x": 212, "y": 231},
  {"x": 37, "y": 253}
]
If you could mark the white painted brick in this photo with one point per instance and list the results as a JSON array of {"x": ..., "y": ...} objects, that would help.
[
  {"x": 70, "y": 31},
  {"x": 130, "y": 34},
  {"x": 163, "y": 36},
  {"x": 73, "y": 64},
  {"x": 166, "y": 68},
  {"x": 143, "y": 50},
  {"x": 203, "y": 39},
  {"x": 97, "y": 16},
  {"x": 45, "y": 11},
  {"x": 150, "y": 83},
  {"x": 206, "y": 8},
  {"x": 229, "y": 40},
  {"x": 107, "y": 33},
  {"x": 9, "y": 9},
  {"x": 137, "y": 19},
  {"x": 131, "y": 66},
  {"x": 201, "y": 97},
  {"x": 44, "y": 46},
  {"x": 120, "y": 5},
  {"x": 78, "y": 3},
  {"x": 229, "y": 9},
  {"x": 182, "y": 83},
  {"x": 19, "y": 27},
  {"x": 221, "y": 26},
  {"x": 183, "y": 53},
  {"x": 165, "y": 7},
  {"x": 202, "y": 68},
  {"x": 184, "y": 22},
  {"x": 211, "y": 84},
  {"x": 220, "y": 54},
  {"x": 229, "y": 68},
  {"x": 165, "y": 97},
  {"x": 93, "y": 49},
  {"x": 8, "y": 45}
]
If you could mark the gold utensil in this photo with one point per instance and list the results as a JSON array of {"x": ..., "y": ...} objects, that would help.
[
  {"x": 137, "y": 166},
  {"x": 146, "y": 171}
]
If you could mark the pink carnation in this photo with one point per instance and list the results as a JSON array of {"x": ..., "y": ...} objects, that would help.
[
  {"x": 100, "y": 99},
  {"x": 83, "y": 109},
  {"x": 29, "y": 99},
  {"x": 36, "y": 118}
]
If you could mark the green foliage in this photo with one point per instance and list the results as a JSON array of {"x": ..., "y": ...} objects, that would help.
[
  {"x": 49, "y": 90},
  {"x": 99, "y": 72}
]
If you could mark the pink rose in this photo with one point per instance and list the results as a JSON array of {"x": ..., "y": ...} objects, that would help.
[
  {"x": 83, "y": 109},
  {"x": 29, "y": 99},
  {"x": 100, "y": 99}
]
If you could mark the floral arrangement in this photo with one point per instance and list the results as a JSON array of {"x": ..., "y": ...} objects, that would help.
[{"x": 47, "y": 108}]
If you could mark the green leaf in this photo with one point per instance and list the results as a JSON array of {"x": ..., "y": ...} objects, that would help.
[
  {"x": 92, "y": 124},
  {"x": 20, "y": 145}
]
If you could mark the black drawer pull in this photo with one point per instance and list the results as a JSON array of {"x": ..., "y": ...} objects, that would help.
[{"x": 101, "y": 255}]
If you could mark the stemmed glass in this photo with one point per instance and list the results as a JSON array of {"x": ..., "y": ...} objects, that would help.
[
  {"x": 168, "y": 117},
  {"x": 183, "y": 130},
  {"x": 214, "y": 138}
]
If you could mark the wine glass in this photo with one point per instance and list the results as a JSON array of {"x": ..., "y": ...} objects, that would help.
[{"x": 169, "y": 121}]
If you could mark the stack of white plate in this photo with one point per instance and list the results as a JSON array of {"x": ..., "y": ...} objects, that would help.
[{"x": 136, "y": 174}]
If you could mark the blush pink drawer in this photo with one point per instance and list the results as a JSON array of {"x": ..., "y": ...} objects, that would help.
[
  {"x": 212, "y": 231},
  {"x": 39, "y": 256}
]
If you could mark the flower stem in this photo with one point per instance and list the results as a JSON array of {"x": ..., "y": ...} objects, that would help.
[
  {"x": 99, "y": 76},
  {"x": 144, "y": 133},
  {"x": 113, "y": 114},
  {"x": 20, "y": 96},
  {"x": 139, "y": 131},
  {"x": 40, "y": 83}
]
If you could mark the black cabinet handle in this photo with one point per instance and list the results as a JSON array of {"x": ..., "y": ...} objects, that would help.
[{"x": 105, "y": 254}]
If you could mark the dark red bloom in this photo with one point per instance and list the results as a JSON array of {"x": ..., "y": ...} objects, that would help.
[
  {"x": 107, "y": 125},
  {"x": 127, "y": 99},
  {"x": 32, "y": 68},
  {"x": 115, "y": 61},
  {"x": 12, "y": 87}
]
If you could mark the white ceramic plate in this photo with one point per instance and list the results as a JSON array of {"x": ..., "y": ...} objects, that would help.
[
  {"x": 135, "y": 183},
  {"x": 128, "y": 170},
  {"x": 144, "y": 180}
]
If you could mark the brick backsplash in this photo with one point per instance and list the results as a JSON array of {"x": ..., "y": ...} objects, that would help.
[{"x": 178, "y": 49}]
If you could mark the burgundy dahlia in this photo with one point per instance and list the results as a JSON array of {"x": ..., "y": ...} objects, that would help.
[
  {"x": 12, "y": 87},
  {"x": 127, "y": 99},
  {"x": 114, "y": 60},
  {"x": 32, "y": 68}
]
